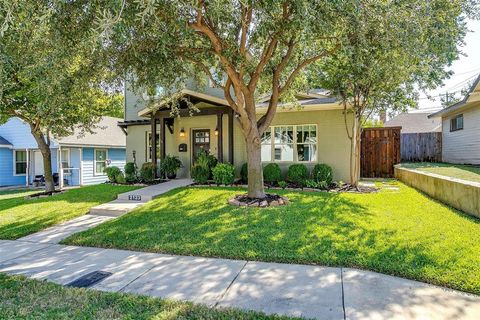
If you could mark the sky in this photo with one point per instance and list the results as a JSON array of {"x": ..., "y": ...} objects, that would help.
[{"x": 465, "y": 69}]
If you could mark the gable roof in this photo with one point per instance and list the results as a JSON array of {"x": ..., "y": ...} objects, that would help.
[
  {"x": 106, "y": 133},
  {"x": 4, "y": 143},
  {"x": 416, "y": 122},
  {"x": 472, "y": 96}
]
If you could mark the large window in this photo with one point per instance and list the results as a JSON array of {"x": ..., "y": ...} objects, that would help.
[
  {"x": 20, "y": 162},
  {"x": 456, "y": 123},
  {"x": 290, "y": 144},
  {"x": 100, "y": 161}
]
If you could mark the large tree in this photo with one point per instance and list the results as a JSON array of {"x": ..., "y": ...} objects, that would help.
[
  {"x": 390, "y": 51},
  {"x": 258, "y": 46},
  {"x": 49, "y": 85}
]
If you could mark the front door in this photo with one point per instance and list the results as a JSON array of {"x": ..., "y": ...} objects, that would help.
[
  {"x": 201, "y": 141},
  {"x": 38, "y": 163}
]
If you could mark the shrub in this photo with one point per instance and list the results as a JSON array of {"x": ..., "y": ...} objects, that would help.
[
  {"x": 272, "y": 173},
  {"x": 224, "y": 173},
  {"x": 322, "y": 172},
  {"x": 130, "y": 172},
  {"x": 206, "y": 160},
  {"x": 112, "y": 172},
  {"x": 200, "y": 174},
  {"x": 297, "y": 174},
  {"x": 244, "y": 173},
  {"x": 147, "y": 172},
  {"x": 120, "y": 178},
  {"x": 170, "y": 165},
  {"x": 309, "y": 183},
  {"x": 282, "y": 184}
]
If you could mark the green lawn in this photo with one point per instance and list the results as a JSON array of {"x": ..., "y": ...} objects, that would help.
[
  {"x": 21, "y": 298},
  {"x": 401, "y": 232},
  {"x": 465, "y": 172},
  {"x": 20, "y": 217}
]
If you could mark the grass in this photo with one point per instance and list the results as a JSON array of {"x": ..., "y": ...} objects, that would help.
[
  {"x": 20, "y": 217},
  {"x": 22, "y": 298},
  {"x": 459, "y": 171},
  {"x": 403, "y": 232}
]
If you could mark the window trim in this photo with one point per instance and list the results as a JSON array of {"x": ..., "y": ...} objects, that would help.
[
  {"x": 95, "y": 173},
  {"x": 294, "y": 143},
  {"x": 15, "y": 174},
  {"x": 148, "y": 145},
  {"x": 68, "y": 158},
  {"x": 455, "y": 119}
]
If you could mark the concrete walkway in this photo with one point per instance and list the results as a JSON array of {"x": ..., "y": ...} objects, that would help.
[
  {"x": 287, "y": 289},
  {"x": 129, "y": 201}
]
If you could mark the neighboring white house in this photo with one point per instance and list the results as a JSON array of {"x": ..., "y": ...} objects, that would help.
[{"x": 461, "y": 128}]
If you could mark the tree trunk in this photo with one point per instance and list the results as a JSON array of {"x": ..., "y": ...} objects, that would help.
[
  {"x": 47, "y": 160},
  {"x": 255, "y": 170},
  {"x": 355, "y": 152}
]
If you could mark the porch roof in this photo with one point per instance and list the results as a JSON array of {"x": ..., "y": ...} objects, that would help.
[{"x": 4, "y": 143}]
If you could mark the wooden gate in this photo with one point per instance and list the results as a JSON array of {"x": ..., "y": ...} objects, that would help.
[{"x": 380, "y": 151}]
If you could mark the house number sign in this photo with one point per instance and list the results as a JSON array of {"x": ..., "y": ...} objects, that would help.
[{"x": 135, "y": 197}]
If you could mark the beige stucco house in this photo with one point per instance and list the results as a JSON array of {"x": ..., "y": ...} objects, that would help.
[
  {"x": 311, "y": 133},
  {"x": 461, "y": 128}
]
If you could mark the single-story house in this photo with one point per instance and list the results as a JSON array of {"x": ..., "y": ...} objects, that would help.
[
  {"x": 313, "y": 132},
  {"x": 415, "y": 122},
  {"x": 461, "y": 128},
  {"x": 79, "y": 159}
]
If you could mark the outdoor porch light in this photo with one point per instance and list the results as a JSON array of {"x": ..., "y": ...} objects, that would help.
[
  {"x": 216, "y": 131},
  {"x": 182, "y": 132}
]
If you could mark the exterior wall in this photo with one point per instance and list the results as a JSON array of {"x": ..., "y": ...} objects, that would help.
[
  {"x": 18, "y": 134},
  {"x": 6, "y": 169},
  {"x": 333, "y": 143},
  {"x": 117, "y": 157},
  {"x": 460, "y": 194},
  {"x": 462, "y": 146},
  {"x": 133, "y": 103}
]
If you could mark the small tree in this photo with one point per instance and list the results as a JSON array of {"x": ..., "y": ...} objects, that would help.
[
  {"x": 256, "y": 46},
  {"x": 44, "y": 83},
  {"x": 389, "y": 52}
]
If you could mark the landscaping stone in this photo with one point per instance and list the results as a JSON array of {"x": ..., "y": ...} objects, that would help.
[{"x": 272, "y": 200}]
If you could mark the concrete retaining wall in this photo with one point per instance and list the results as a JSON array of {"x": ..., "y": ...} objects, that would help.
[{"x": 460, "y": 194}]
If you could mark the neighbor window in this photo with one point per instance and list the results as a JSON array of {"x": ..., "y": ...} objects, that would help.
[
  {"x": 456, "y": 123},
  {"x": 20, "y": 162},
  {"x": 100, "y": 161},
  {"x": 290, "y": 144},
  {"x": 65, "y": 154}
]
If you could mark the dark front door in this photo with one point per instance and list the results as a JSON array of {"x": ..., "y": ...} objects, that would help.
[{"x": 201, "y": 141}]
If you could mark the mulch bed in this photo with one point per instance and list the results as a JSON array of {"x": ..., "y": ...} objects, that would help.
[
  {"x": 271, "y": 200},
  {"x": 44, "y": 194}
]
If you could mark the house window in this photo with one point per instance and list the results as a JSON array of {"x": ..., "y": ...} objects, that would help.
[
  {"x": 65, "y": 156},
  {"x": 290, "y": 144},
  {"x": 456, "y": 123},
  {"x": 148, "y": 151},
  {"x": 20, "y": 162},
  {"x": 100, "y": 161}
]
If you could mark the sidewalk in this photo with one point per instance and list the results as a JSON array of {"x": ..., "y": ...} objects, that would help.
[{"x": 286, "y": 289}]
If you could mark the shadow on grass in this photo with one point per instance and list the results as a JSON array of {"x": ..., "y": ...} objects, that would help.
[{"x": 316, "y": 228}]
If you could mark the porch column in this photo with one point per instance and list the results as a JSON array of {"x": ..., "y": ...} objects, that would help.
[
  {"x": 153, "y": 141},
  {"x": 27, "y": 171},
  {"x": 162, "y": 138},
  {"x": 60, "y": 165},
  {"x": 230, "y": 136},
  {"x": 220, "y": 136}
]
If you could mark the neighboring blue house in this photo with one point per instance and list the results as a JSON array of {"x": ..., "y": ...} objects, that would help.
[{"x": 79, "y": 159}]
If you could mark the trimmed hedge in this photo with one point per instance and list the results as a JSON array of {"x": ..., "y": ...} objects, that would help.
[
  {"x": 322, "y": 173},
  {"x": 272, "y": 173},
  {"x": 223, "y": 173},
  {"x": 200, "y": 174},
  {"x": 297, "y": 174},
  {"x": 147, "y": 172},
  {"x": 112, "y": 173}
]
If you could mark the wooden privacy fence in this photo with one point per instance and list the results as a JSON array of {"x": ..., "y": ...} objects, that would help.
[
  {"x": 380, "y": 151},
  {"x": 419, "y": 147}
]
